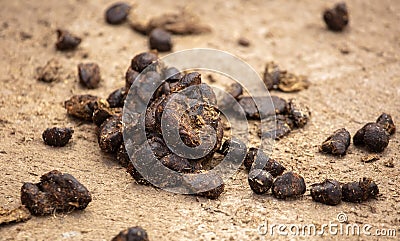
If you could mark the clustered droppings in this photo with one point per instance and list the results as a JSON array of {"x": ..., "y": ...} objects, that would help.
[{"x": 331, "y": 192}]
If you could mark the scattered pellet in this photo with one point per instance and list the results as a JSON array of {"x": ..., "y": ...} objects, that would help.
[
  {"x": 117, "y": 13},
  {"x": 337, "y": 143},
  {"x": 328, "y": 192},
  {"x": 288, "y": 185},
  {"x": 55, "y": 192},
  {"x": 57, "y": 136},
  {"x": 89, "y": 75},
  {"x": 260, "y": 181},
  {"x": 50, "y": 72},
  {"x": 337, "y": 18},
  {"x": 132, "y": 234},
  {"x": 66, "y": 40}
]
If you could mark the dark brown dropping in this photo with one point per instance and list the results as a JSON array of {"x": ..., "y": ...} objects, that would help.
[
  {"x": 190, "y": 121},
  {"x": 57, "y": 136},
  {"x": 117, "y": 13},
  {"x": 373, "y": 136},
  {"x": 280, "y": 105},
  {"x": 370, "y": 158},
  {"x": 252, "y": 111},
  {"x": 197, "y": 183},
  {"x": 130, "y": 77},
  {"x": 282, "y": 128},
  {"x": 50, "y": 72},
  {"x": 337, "y": 143},
  {"x": 136, "y": 175},
  {"x": 386, "y": 121},
  {"x": 159, "y": 148},
  {"x": 150, "y": 117},
  {"x": 141, "y": 61},
  {"x": 176, "y": 163},
  {"x": 132, "y": 234},
  {"x": 66, "y": 40},
  {"x": 89, "y": 75},
  {"x": 160, "y": 40},
  {"x": 260, "y": 181},
  {"x": 122, "y": 156},
  {"x": 145, "y": 88},
  {"x": 193, "y": 78},
  {"x": 243, "y": 42},
  {"x": 163, "y": 90},
  {"x": 352, "y": 192},
  {"x": 110, "y": 134},
  {"x": 272, "y": 75},
  {"x": 81, "y": 106},
  {"x": 251, "y": 156},
  {"x": 181, "y": 22},
  {"x": 359, "y": 191},
  {"x": 16, "y": 215},
  {"x": 171, "y": 74},
  {"x": 116, "y": 98},
  {"x": 337, "y": 18},
  {"x": 299, "y": 113},
  {"x": 101, "y": 112},
  {"x": 292, "y": 83},
  {"x": 288, "y": 185},
  {"x": 274, "y": 167},
  {"x": 358, "y": 138},
  {"x": 233, "y": 145},
  {"x": 235, "y": 90},
  {"x": 369, "y": 187},
  {"x": 328, "y": 192},
  {"x": 257, "y": 159},
  {"x": 55, "y": 192}
]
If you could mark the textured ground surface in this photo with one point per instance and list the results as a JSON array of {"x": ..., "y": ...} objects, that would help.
[{"x": 347, "y": 90}]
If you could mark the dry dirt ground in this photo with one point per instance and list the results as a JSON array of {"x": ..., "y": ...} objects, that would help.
[{"x": 347, "y": 90}]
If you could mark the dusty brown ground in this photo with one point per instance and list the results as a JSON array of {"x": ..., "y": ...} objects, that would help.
[{"x": 347, "y": 90}]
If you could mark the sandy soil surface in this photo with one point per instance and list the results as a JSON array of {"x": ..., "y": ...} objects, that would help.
[{"x": 347, "y": 90}]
